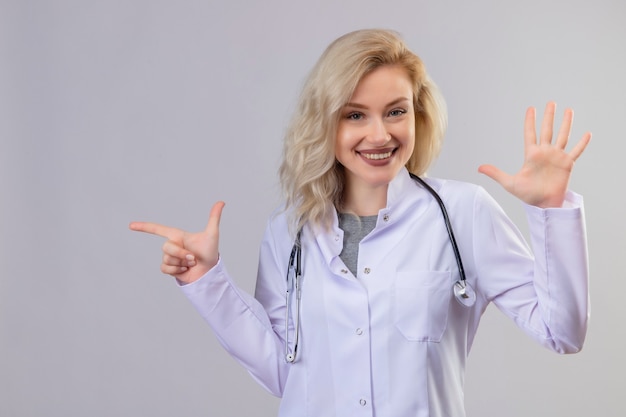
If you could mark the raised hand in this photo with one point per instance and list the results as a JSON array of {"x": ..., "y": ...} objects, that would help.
[
  {"x": 543, "y": 179},
  {"x": 187, "y": 256}
]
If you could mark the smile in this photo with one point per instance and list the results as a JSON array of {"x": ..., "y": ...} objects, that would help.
[{"x": 376, "y": 156}]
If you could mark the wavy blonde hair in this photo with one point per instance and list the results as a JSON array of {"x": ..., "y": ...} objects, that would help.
[{"x": 311, "y": 178}]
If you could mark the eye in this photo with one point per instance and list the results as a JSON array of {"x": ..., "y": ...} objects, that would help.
[
  {"x": 354, "y": 116},
  {"x": 397, "y": 112}
]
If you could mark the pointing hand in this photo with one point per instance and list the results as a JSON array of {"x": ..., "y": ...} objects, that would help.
[{"x": 187, "y": 256}]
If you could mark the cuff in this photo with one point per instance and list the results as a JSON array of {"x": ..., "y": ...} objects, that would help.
[
  {"x": 572, "y": 206},
  {"x": 208, "y": 276}
]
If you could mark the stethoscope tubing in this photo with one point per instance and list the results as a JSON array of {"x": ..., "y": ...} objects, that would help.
[
  {"x": 446, "y": 219},
  {"x": 464, "y": 294}
]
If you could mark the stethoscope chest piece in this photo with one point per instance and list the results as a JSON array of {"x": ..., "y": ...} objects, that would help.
[{"x": 464, "y": 293}]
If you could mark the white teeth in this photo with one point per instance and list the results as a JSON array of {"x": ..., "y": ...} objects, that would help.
[{"x": 376, "y": 156}]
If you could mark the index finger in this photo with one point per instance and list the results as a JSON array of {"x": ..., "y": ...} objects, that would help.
[{"x": 156, "y": 229}]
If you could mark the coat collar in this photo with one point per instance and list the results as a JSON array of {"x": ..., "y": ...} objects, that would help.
[{"x": 405, "y": 199}]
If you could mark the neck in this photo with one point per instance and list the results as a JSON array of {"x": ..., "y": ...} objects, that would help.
[{"x": 364, "y": 202}]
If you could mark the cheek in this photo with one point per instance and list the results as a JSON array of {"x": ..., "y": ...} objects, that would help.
[
  {"x": 410, "y": 140},
  {"x": 343, "y": 139},
  {"x": 339, "y": 140},
  {"x": 340, "y": 145},
  {"x": 406, "y": 133}
]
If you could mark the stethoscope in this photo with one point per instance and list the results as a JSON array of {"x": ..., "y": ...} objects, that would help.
[{"x": 463, "y": 292}]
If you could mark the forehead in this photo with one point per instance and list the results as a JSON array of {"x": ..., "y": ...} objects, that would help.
[{"x": 385, "y": 81}]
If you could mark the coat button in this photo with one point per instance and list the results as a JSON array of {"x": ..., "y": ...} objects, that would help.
[
  {"x": 359, "y": 331},
  {"x": 386, "y": 217},
  {"x": 367, "y": 270},
  {"x": 344, "y": 271},
  {"x": 362, "y": 402}
]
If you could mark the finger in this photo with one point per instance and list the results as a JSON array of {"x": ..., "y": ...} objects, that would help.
[
  {"x": 177, "y": 254},
  {"x": 214, "y": 217},
  {"x": 173, "y": 270},
  {"x": 545, "y": 136},
  {"x": 530, "y": 134},
  {"x": 580, "y": 146},
  {"x": 565, "y": 129},
  {"x": 174, "y": 261},
  {"x": 156, "y": 229},
  {"x": 495, "y": 174},
  {"x": 172, "y": 251},
  {"x": 173, "y": 248}
]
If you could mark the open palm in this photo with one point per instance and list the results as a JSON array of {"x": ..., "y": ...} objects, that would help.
[{"x": 544, "y": 177}]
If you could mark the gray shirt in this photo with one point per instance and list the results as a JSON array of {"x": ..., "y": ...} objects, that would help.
[{"x": 354, "y": 228}]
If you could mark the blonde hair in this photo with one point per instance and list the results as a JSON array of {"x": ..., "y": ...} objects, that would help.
[{"x": 311, "y": 179}]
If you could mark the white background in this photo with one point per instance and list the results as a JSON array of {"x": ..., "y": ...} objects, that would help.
[{"x": 120, "y": 110}]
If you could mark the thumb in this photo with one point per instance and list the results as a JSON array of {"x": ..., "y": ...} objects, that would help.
[
  {"x": 495, "y": 174},
  {"x": 213, "y": 224}
]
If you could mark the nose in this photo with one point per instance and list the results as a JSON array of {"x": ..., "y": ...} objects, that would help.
[{"x": 378, "y": 134}]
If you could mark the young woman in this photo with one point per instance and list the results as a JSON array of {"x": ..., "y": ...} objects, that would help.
[{"x": 356, "y": 311}]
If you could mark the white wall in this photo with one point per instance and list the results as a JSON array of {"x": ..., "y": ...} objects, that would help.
[{"x": 112, "y": 111}]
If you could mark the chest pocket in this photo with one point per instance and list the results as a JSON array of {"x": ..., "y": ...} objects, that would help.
[{"x": 421, "y": 304}]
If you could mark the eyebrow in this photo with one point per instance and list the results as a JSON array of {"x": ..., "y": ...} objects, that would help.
[{"x": 393, "y": 103}]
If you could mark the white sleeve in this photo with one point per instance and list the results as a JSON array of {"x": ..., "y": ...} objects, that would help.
[
  {"x": 241, "y": 323},
  {"x": 544, "y": 291}
]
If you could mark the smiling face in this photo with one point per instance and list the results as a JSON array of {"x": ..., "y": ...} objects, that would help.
[{"x": 376, "y": 133}]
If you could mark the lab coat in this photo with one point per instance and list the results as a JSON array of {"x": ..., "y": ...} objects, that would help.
[{"x": 392, "y": 340}]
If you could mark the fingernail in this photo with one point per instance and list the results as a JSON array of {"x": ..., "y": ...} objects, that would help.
[
  {"x": 190, "y": 257},
  {"x": 183, "y": 268}
]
